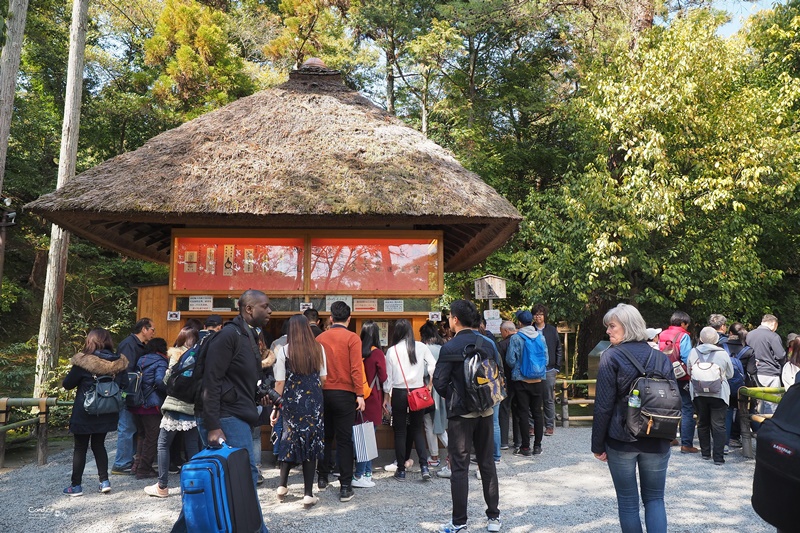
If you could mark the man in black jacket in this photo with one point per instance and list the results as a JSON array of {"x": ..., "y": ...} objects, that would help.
[
  {"x": 555, "y": 351},
  {"x": 465, "y": 429},
  {"x": 232, "y": 371},
  {"x": 132, "y": 347}
]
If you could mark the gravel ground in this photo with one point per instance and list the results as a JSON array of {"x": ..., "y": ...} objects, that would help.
[{"x": 563, "y": 490}]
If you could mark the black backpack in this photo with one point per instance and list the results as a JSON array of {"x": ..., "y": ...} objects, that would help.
[
  {"x": 485, "y": 384},
  {"x": 185, "y": 376},
  {"x": 776, "y": 481},
  {"x": 659, "y": 414}
]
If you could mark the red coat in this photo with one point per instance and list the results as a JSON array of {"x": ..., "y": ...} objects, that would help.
[{"x": 375, "y": 363}]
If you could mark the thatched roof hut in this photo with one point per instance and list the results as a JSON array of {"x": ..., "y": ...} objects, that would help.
[{"x": 310, "y": 153}]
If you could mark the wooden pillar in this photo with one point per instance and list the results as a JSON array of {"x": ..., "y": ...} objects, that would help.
[
  {"x": 744, "y": 426},
  {"x": 3, "y": 421},
  {"x": 564, "y": 405},
  {"x": 41, "y": 433}
]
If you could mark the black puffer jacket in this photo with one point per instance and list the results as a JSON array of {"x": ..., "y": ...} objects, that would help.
[
  {"x": 81, "y": 375},
  {"x": 615, "y": 376}
]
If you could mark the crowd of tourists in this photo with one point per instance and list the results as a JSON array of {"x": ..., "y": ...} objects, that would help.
[{"x": 314, "y": 383}]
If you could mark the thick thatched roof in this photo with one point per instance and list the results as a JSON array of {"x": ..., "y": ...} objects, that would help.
[{"x": 310, "y": 153}]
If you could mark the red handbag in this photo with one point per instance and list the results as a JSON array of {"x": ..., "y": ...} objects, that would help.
[{"x": 418, "y": 399}]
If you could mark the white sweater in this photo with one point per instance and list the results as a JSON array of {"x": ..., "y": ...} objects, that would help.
[{"x": 414, "y": 373}]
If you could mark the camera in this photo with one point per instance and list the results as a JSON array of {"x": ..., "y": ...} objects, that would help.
[{"x": 266, "y": 387}]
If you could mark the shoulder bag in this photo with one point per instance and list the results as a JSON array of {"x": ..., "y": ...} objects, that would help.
[{"x": 418, "y": 399}]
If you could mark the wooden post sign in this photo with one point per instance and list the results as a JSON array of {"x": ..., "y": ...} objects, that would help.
[{"x": 490, "y": 288}]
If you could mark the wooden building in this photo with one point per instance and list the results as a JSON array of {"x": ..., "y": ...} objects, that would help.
[{"x": 307, "y": 191}]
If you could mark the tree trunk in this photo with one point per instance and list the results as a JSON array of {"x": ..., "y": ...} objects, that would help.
[
  {"x": 642, "y": 16},
  {"x": 9, "y": 66},
  {"x": 49, "y": 327},
  {"x": 390, "y": 59},
  {"x": 590, "y": 333}
]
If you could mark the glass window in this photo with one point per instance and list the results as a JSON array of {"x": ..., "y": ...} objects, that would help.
[{"x": 398, "y": 265}]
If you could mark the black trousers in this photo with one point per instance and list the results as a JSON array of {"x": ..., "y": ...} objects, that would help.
[
  {"x": 339, "y": 415},
  {"x": 407, "y": 425},
  {"x": 530, "y": 398},
  {"x": 711, "y": 414},
  {"x": 79, "y": 456},
  {"x": 463, "y": 434},
  {"x": 508, "y": 417}
]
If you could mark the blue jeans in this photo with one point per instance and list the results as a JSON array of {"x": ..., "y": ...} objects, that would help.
[
  {"x": 687, "y": 415},
  {"x": 549, "y": 398},
  {"x": 126, "y": 429},
  {"x": 277, "y": 429},
  {"x": 239, "y": 434},
  {"x": 496, "y": 423},
  {"x": 653, "y": 477}
]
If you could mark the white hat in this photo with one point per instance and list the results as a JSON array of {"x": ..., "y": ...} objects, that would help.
[
  {"x": 709, "y": 335},
  {"x": 652, "y": 332}
]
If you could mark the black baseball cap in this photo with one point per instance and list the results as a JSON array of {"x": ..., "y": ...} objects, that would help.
[{"x": 213, "y": 321}]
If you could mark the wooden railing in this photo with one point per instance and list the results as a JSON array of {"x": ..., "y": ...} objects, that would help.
[
  {"x": 746, "y": 394},
  {"x": 40, "y": 420},
  {"x": 566, "y": 402}
]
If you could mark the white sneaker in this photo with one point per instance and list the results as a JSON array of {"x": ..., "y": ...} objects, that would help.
[
  {"x": 409, "y": 463},
  {"x": 362, "y": 482},
  {"x": 444, "y": 472},
  {"x": 494, "y": 525},
  {"x": 478, "y": 473},
  {"x": 391, "y": 468}
]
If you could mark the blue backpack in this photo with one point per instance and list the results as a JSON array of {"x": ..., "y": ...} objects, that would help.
[
  {"x": 737, "y": 381},
  {"x": 534, "y": 357}
]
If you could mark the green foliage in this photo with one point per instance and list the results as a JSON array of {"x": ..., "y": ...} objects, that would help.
[
  {"x": 689, "y": 166},
  {"x": 16, "y": 375},
  {"x": 201, "y": 70}
]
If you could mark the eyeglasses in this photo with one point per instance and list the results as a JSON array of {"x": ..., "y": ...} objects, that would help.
[{"x": 539, "y": 314}]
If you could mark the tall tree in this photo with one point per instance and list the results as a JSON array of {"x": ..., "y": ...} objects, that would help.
[
  {"x": 47, "y": 353},
  {"x": 14, "y": 26}
]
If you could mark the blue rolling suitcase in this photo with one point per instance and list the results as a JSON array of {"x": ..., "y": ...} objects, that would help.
[{"x": 218, "y": 492}]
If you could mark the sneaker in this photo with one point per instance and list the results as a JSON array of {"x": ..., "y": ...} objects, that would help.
[
  {"x": 444, "y": 472},
  {"x": 537, "y": 450},
  {"x": 260, "y": 479},
  {"x": 434, "y": 463},
  {"x": 426, "y": 473},
  {"x": 735, "y": 443},
  {"x": 391, "y": 468},
  {"x": 547, "y": 433},
  {"x": 409, "y": 463},
  {"x": 74, "y": 490},
  {"x": 345, "y": 494},
  {"x": 706, "y": 457},
  {"x": 689, "y": 449},
  {"x": 478, "y": 473},
  {"x": 322, "y": 482},
  {"x": 450, "y": 528},
  {"x": 494, "y": 524},
  {"x": 504, "y": 446},
  {"x": 105, "y": 486},
  {"x": 156, "y": 491},
  {"x": 174, "y": 469},
  {"x": 362, "y": 482},
  {"x": 726, "y": 450},
  {"x": 400, "y": 475},
  {"x": 473, "y": 459},
  {"x": 523, "y": 451},
  {"x": 719, "y": 463},
  {"x": 123, "y": 471}
]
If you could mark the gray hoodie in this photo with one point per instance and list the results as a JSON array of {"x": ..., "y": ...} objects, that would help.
[{"x": 713, "y": 354}]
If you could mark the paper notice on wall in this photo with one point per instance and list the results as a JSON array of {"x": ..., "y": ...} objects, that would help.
[
  {"x": 435, "y": 317},
  {"x": 383, "y": 327},
  {"x": 338, "y": 298},
  {"x": 306, "y": 305},
  {"x": 491, "y": 314},
  {"x": 201, "y": 303},
  {"x": 365, "y": 305},
  {"x": 393, "y": 306}
]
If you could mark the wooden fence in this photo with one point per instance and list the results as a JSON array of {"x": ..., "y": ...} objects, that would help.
[{"x": 44, "y": 406}]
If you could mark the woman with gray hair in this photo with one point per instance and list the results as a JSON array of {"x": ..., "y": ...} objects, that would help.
[{"x": 612, "y": 442}]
